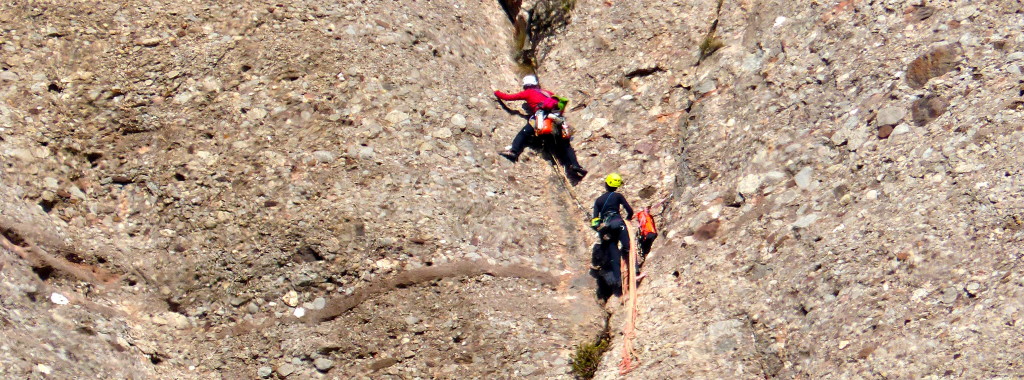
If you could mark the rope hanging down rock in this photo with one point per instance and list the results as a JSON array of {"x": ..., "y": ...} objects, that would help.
[
  {"x": 628, "y": 362},
  {"x": 567, "y": 185}
]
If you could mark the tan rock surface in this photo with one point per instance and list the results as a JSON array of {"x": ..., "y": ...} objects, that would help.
[{"x": 177, "y": 170}]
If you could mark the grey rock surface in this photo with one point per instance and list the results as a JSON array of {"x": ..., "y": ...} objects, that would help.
[{"x": 837, "y": 189}]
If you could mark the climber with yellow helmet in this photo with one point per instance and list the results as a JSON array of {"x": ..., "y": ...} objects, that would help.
[{"x": 612, "y": 230}]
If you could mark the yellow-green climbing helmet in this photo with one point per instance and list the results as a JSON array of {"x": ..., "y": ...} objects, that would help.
[{"x": 613, "y": 180}]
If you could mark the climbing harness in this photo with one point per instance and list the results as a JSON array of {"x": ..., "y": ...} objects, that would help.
[
  {"x": 607, "y": 218},
  {"x": 628, "y": 362}
]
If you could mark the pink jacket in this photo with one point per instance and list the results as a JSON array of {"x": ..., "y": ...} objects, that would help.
[{"x": 535, "y": 98}]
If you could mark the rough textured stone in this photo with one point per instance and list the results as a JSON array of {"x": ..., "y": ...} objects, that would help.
[
  {"x": 890, "y": 116},
  {"x": 806, "y": 221},
  {"x": 324, "y": 156},
  {"x": 286, "y": 370},
  {"x": 885, "y": 131},
  {"x": 264, "y": 372},
  {"x": 323, "y": 364},
  {"x": 928, "y": 108},
  {"x": 191, "y": 130},
  {"x": 749, "y": 184},
  {"x": 803, "y": 177},
  {"x": 935, "y": 62}
]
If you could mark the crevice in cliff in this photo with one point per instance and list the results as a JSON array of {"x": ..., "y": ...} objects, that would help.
[
  {"x": 532, "y": 31},
  {"x": 544, "y": 20},
  {"x": 711, "y": 43},
  {"x": 587, "y": 358},
  {"x": 768, "y": 357}
]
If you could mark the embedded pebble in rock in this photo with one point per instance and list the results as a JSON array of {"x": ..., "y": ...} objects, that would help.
[
  {"x": 264, "y": 372},
  {"x": 366, "y": 153},
  {"x": 871, "y": 195},
  {"x": 76, "y": 193},
  {"x": 803, "y": 177},
  {"x": 396, "y": 117},
  {"x": 291, "y": 298},
  {"x": 706, "y": 86},
  {"x": 239, "y": 300},
  {"x": 935, "y": 62},
  {"x": 806, "y": 221},
  {"x": 323, "y": 364},
  {"x": 926, "y": 109},
  {"x": 890, "y": 116},
  {"x": 749, "y": 184},
  {"x": 43, "y": 369},
  {"x": 900, "y": 129},
  {"x": 51, "y": 183},
  {"x": 319, "y": 303},
  {"x": 323, "y": 156},
  {"x": 442, "y": 133},
  {"x": 458, "y": 121},
  {"x": 949, "y": 295},
  {"x": 285, "y": 369},
  {"x": 59, "y": 299},
  {"x": 177, "y": 320},
  {"x": 973, "y": 289}
]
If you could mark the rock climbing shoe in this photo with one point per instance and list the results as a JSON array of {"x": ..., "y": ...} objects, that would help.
[{"x": 510, "y": 155}]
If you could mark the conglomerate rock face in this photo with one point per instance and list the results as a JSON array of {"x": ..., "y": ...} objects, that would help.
[
  {"x": 837, "y": 189},
  {"x": 235, "y": 164},
  {"x": 848, "y": 201}
]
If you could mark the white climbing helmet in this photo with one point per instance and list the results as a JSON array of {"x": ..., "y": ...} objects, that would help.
[{"x": 530, "y": 80}]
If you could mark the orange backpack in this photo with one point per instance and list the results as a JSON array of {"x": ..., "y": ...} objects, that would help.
[
  {"x": 546, "y": 128},
  {"x": 646, "y": 222}
]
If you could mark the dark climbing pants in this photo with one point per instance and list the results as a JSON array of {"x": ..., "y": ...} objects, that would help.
[
  {"x": 613, "y": 243},
  {"x": 559, "y": 147},
  {"x": 524, "y": 137},
  {"x": 645, "y": 243}
]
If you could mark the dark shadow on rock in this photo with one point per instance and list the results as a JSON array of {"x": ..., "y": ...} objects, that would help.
[
  {"x": 574, "y": 179},
  {"x": 549, "y": 147}
]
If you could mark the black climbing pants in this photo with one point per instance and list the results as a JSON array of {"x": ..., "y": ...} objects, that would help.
[
  {"x": 613, "y": 244},
  {"x": 645, "y": 243},
  {"x": 560, "y": 148}
]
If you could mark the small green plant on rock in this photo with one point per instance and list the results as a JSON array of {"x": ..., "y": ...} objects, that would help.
[
  {"x": 711, "y": 43},
  {"x": 588, "y": 357}
]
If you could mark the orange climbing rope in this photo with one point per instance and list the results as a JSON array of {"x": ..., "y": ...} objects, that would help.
[{"x": 628, "y": 362}]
